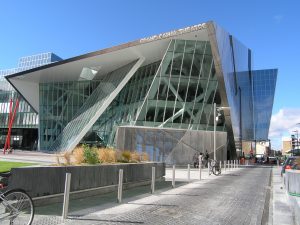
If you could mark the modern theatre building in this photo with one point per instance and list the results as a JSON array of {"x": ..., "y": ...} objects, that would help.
[{"x": 156, "y": 95}]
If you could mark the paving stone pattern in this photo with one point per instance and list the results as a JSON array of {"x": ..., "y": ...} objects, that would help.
[{"x": 235, "y": 198}]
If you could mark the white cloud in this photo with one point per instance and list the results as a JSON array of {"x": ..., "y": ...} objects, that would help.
[{"x": 282, "y": 124}]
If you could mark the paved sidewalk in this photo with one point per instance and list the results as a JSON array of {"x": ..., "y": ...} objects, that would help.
[
  {"x": 29, "y": 156},
  {"x": 235, "y": 198},
  {"x": 281, "y": 211}
]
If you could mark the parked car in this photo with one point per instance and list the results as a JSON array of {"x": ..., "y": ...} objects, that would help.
[
  {"x": 288, "y": 164},
  {"x": 271, "y": 160}
]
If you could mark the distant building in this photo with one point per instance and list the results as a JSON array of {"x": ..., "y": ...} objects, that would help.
[
  {"x": 286, "y": 145},
  {"x": 263, "y": 148},
  {"x": 25, "y": 127}
]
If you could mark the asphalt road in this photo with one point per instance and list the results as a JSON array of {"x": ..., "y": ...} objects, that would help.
[{"x": 237, "y": 197}]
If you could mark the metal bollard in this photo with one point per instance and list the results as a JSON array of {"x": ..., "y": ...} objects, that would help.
[
  {"x": 208, "y": 167},
  {"x": 66, "y": 196},
  {"x": 173, "y": 177},
  {"x": 220, "y": 164},
  {"x": 231, "y": 164},
  {"x": 189, "y": 173},
  {"x": 277, "y": 163},
  {"x": 153, "y": 180},
  {"x": 120, "y": 186},
  {"x": 234, "y": 164},
  {"x": 224, "y": 165}
]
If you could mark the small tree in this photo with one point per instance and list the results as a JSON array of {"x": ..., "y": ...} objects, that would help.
[{"x": 90, "y": 154}]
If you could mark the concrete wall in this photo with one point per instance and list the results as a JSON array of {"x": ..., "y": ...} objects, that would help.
[
  {"x": 172, "y": 146},
  {"x": 292, "y": 185},
  {"x": 42, "y": 181},
  {"x": 292, "y": 181}
]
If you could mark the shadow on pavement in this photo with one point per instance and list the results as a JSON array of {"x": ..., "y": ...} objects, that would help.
[{"x": 109, "y": 199}]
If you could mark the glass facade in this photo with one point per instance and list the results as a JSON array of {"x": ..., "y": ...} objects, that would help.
[
  {"x": 58, "y": 104},
  {"x": 30, "y": 62},
  {"x": 164, "y": 97},
  {"x": 176, "y": 92},
  {"x": 183, "y": 89},
  {"x": 264, "y": 83},
  {"x": 26, "y": 117}
]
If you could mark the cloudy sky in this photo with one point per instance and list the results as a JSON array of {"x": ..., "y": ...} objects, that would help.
[
  {"x": 270, "y": 28},
  {"x": 284, "y": 123}
]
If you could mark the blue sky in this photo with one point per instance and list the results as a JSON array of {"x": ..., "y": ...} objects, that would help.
[{"x": 72, "y": 27}]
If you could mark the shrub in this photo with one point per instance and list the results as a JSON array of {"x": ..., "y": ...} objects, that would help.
[
  {"x": 144, "y": 156},
  {"x": 135, "y": 157},
  {"x": 78, "y": 154},
  {"x": 126, "y": 156},
  {"x": 118, "y": 155},
  {"x": 67, "y": 157},
  {"x": 107, "y": 155},
  {"x": 90, "y": 154}
]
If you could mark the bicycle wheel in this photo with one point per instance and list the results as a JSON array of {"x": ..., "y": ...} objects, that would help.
[{"x": 16, "y": 208}]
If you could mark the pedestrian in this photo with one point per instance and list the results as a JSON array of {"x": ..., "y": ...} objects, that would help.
[
  {"x": 206, "y": 157},
  {"x": 196, "y": 160}
]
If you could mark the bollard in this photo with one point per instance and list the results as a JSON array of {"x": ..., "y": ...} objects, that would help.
[
  {"x": 234, "y": 164},
  {"x": 224, "y": 165},
  {"x": 208, "y": 167},
  {"x": 153, "y": 180},
  {"x": 189, "y": 173},
  {"x": 200, "y": 169},
  {"x": 277, "y": 163},
  {"x": 66, "y": 196},
  {"x": 220, "y": 164},
  {"x": 231, "y": 164},
  {"x": 173, "y": 177},
  {"x": 120, "y": 186}
]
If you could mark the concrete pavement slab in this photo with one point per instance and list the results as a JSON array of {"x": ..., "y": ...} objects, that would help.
[
  {"x": 237, "y": 197},
  {"x": 282, "y": 213}
]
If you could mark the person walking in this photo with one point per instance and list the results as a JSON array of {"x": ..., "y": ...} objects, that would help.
[
  {"x": 206, "y": 157},
  {"x": 196, "y": 160}
]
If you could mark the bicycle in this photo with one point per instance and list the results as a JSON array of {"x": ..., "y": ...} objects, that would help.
[
  {"x": 16, "y": 207},
  {"x": 214, "y": 167}
]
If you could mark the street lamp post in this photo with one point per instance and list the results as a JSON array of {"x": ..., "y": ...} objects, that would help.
[{"x": 215, "y": 125}]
